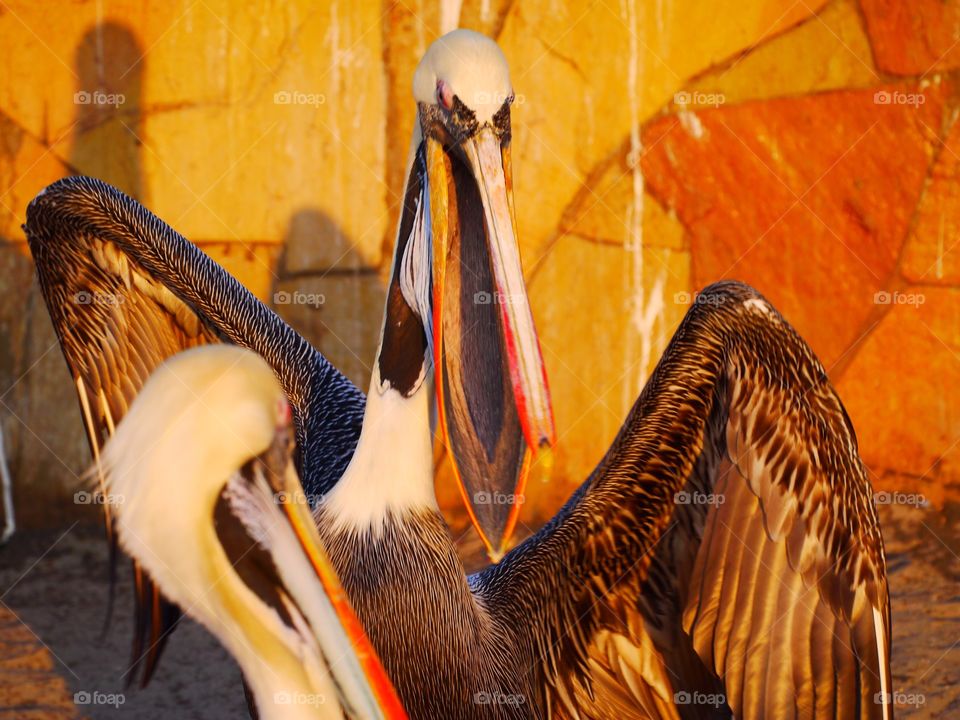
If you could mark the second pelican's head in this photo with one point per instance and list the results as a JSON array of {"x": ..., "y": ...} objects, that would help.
[
  {"x": 210, "y": 506},
  {"x": 469, "y": 312}
]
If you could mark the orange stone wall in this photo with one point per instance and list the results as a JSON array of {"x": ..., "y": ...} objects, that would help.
[{"x": 807, "y": 148}]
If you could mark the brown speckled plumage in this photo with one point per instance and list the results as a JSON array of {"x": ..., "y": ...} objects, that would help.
[
  {"x": 630, "y": 601},
  {"x": 125, "y": 292}
]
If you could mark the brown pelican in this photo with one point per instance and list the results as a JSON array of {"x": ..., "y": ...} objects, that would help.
[
  {"x": 125, "y": 291},
  {"x": 201, "y": 461},
  {"x": 723, "y": 557},
  {"x": 130, "y": 290}
]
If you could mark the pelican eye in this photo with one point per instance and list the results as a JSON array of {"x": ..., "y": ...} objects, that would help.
[
  {"x": 444, "y": 94},
  {"x": 284, "y": 413}
]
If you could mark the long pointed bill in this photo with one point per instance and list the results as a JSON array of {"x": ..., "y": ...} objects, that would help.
[
  {"x": 366, "y": 690},
  {"x": 492, "y": 390},
  {"x": 527, "y": 373}
]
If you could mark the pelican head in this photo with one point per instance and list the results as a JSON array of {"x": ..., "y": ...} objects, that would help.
[
  {"x": 206, "y": 500},
  {"x": 469, "y": 313}
]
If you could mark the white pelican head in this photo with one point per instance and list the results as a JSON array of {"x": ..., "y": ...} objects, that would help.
[
  {"x": 457, "y": 302},
  {"x": 468, "y": 66},
  {"x": 207, "y": 501}
]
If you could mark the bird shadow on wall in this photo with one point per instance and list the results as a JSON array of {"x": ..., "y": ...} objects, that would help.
[
  {"x": 328, "y": 294},
  {"x": 42, "y": 427},
  {"x": 109, "y": 61}
]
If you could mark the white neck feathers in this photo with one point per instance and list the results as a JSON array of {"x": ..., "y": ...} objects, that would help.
[{"x": 391, "y": 471}]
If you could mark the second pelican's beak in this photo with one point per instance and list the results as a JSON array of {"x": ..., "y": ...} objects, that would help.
[
  {"x": 492, "y": 390},
  {"x": 364, "y": 687}
]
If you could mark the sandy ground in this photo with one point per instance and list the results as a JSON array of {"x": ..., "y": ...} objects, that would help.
[
  {"x": 56, "y": 583},
  {"x": 53, "y": 590}
]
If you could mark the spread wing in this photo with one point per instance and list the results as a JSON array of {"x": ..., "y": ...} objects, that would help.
[
  {"x": 125, "y": 292},
  {"x": 725, "y": 556}
]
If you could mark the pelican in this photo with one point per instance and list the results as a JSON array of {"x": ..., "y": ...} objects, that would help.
[
  {"x": 125, "y": 291},
  {"x": 723, "y": 558},
  {"x": 202, "y": 459}
]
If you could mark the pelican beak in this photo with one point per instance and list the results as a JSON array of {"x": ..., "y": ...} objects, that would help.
[
  {"x": 495, "y": 410},
  {"x": 365, "y": 688}
]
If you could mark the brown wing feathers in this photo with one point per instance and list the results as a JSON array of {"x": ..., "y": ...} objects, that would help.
[
  {"x": 115, "y": 325},
  {"x": 125, "y": 292},
  {"x": 730, "y": 527},
  {"x": 790, "y": 568},
  {"x": 116, "y": 322}
]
